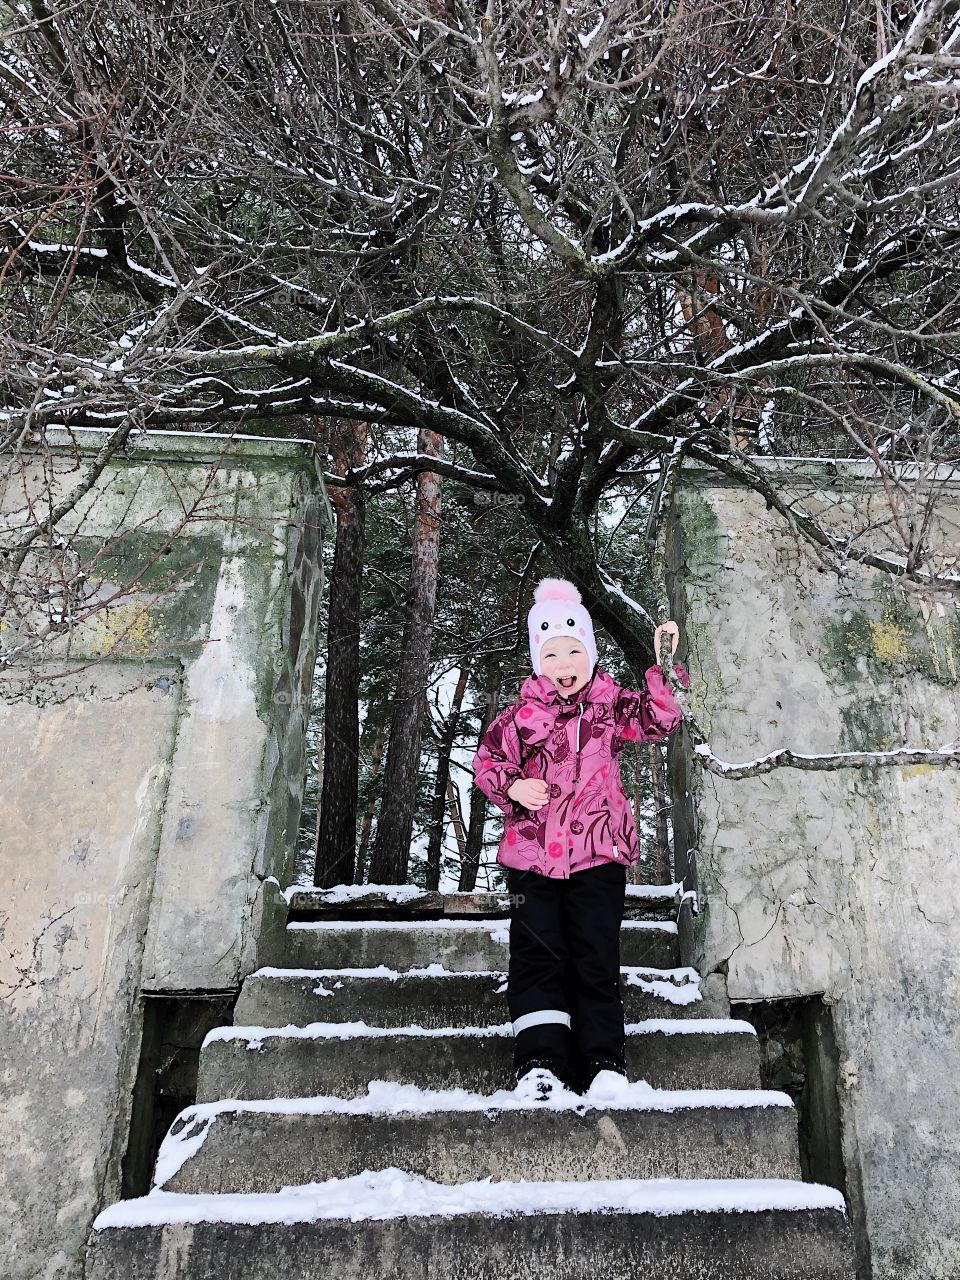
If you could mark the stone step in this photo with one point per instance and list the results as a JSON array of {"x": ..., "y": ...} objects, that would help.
[
  {"x": 438, "y": 997},
  {"x": 452, "y": 1137},
  {"x": 306, "y": 902},
  {"x": 342, "y": 1058},
  {"x": 391, "y": 1225},
  {"x": 463, "y": 945}
]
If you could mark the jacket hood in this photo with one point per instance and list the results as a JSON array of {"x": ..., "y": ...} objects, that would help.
[{"x": 601, "y": 687}]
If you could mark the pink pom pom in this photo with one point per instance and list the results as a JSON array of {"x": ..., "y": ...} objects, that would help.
[{"x": 556, "y": 589}]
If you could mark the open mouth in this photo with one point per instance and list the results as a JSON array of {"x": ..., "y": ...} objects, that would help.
[{"x": 567, "y": 682}]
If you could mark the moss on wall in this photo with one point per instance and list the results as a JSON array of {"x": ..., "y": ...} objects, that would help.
[
  {"x": 704, "y": 537},
  {"x": 699, "y": 544},
  {"x": 890, "y": 635},
  {"x": 171, "y": 601}
]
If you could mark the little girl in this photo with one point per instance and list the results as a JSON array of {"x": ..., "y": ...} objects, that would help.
[{"x": 550, "y": 761}]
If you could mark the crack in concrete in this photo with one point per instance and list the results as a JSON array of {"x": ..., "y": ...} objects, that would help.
[
  {"x": 929, "y": 919},
  {"x": 724, "y": 963}
]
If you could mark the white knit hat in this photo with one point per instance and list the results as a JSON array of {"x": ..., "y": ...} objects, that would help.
[{"x": 557, "y": 611}]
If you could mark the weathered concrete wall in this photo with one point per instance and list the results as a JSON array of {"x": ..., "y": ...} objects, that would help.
[
  {"x": 148, "y": 795},
  {"x": 835, "y": 883}
]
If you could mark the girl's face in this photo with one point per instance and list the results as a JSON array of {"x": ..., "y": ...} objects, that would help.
[{"x": 564, "y": 660}]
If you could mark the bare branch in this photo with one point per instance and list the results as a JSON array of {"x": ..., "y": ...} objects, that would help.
[{"x": 947, "y": 756}]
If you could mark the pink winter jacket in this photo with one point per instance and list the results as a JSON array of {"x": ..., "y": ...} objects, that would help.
[{"x": 574, "y": 746}]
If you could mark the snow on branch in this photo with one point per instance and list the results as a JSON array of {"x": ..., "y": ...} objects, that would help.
[
  {"x": 784, "y": 758},
  {"x": 509, "y": 171},
  {"x": 410, "y": 463},
  {"x": 947, "y": 755},
  {"x": 615, "y": 589},
  {"x": 868, "y": 96},
  {"x": 301, "y": 352}
]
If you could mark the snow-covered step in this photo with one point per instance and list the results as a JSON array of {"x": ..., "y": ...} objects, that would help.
[
  {"x": 455, "y": 1136},
  {"x": 343, "y": 1057},
  {"x": 393, "y": 1224},
  {"x": 439, "y": 997},
  {"x": 466, "y": 945},
  {"x": 358, "y": 900},
  {"x": 346, "y": 901}
]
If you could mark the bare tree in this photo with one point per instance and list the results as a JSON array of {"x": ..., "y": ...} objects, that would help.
[
  {"x": 391, "y": 844},
  {"x": 337, "y": 819},
  {"x": 583, "y": 244},
  {"x": 444, "y": 788},
  {"x": 366, "y": 822}
]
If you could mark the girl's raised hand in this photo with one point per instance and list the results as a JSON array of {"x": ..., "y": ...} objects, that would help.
[
  {"x": 673, "y": 631},
  {"x": 530, "y": 792}
]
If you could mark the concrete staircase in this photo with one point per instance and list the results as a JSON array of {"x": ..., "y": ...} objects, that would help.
[{"x": 358, "y": 1120}]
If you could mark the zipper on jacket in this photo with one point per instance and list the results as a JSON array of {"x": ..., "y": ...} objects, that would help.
[{"x": 576, "y": 776}]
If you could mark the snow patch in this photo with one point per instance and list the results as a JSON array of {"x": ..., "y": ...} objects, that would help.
[
  {"x": 654, "y": 891},
  {"x": 255, "y": 1036},
  {"x": 392, "y": 1193},
  {"x": 490, "y": 926},
  {"x": 692, "y": 1026},
  {"x": 380, "y": 971},
  {"x": 351, "y": 892},
  {"x": 388, "y": 1097}
]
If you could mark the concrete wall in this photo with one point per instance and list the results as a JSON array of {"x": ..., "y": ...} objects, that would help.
[
  {"x": 152, "y": 770},
  {"x": 840, "y": 883}
]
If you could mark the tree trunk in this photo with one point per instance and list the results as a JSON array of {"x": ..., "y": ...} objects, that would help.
[
  {"x": 662, "y": 869},
  {"x": 492, "y": 671},
  {"x": 640, "y": 872},
  {"x": 470, "y": 862},
  {"x": 391, "y": 846},
  {"x": 456, "y": 815},
  {"x": 367, "y": 823},
  {"x": 439, "y": 806},
  {"x": 316, "y": 833},
  {"x": 337, "y": 827}
]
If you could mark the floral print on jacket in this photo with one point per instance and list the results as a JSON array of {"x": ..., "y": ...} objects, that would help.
[{"x": 574, "y": 746}]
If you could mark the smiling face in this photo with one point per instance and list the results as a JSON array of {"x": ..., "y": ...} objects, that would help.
[{"x": 564, "y": 660}]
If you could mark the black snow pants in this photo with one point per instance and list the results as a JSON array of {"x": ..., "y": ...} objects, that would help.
[{"x": 563, "y": 985}]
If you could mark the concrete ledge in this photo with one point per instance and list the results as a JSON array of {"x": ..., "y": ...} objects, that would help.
[
  {"x": 295, "y": 1066},
  {"x": 468, "y": 945},
  {"x": 257, "y": 1151},
  {"x": 400, "y": 902},
  {"x": 277, "y": 997},
  {"x": 811, "y": 1244},
  {"x": 188, "y": 446}
]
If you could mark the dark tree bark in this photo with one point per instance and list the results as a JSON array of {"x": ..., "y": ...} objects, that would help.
[
  {"x": 456, "y": 816},
  {"x": 337, "y": 826},
  {"x": 492, "y": 670},
  {"x": 663, "y": 866},
  {"x": 316, "y": 833},
  {"x": 470, "y": 863},
  {"x": 641, "y": 872},
  {"x": 391, "y": 846},
  {"x": 439, "y": 806},
  {"x": 366, "y": 825}
]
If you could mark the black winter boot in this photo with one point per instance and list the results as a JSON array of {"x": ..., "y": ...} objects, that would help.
[{"x": 549, "y": 1073}]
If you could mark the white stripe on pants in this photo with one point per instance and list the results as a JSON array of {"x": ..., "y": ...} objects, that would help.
[{"x": 539, "y": 1016}]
